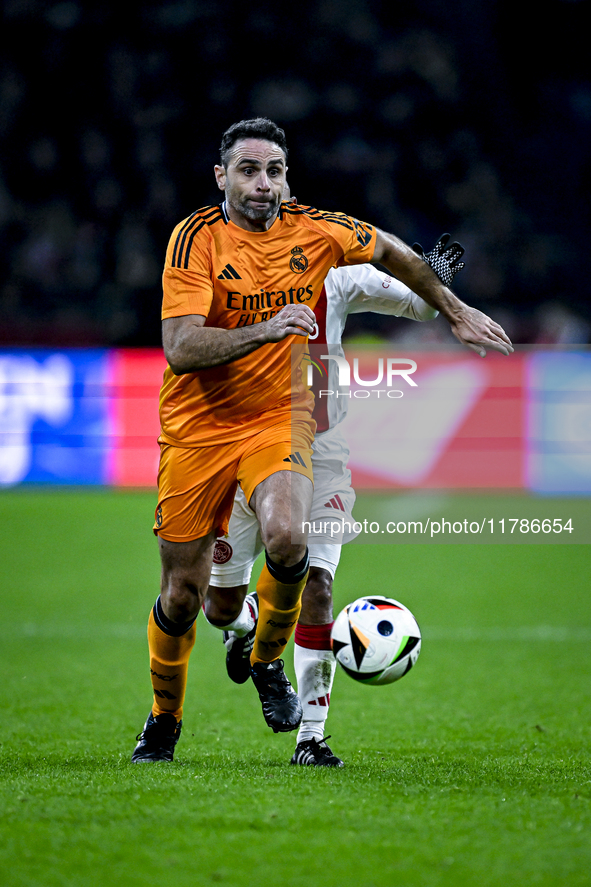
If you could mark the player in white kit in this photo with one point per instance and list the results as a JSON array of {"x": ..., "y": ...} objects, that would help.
[{"x": 347, "y": 290}]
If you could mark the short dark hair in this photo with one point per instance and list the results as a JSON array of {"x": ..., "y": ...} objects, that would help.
[{"x": 257, "y": 128}]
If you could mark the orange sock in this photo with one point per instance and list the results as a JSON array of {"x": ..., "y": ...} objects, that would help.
[
  {"x": 169, "y": 662},
  {"x": 279, "y": 608}
]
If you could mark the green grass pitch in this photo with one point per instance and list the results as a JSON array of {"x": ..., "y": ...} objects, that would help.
[{"x": 472, "y": 770}]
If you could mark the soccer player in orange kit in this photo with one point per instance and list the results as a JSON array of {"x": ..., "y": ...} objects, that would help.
[{"x": 241, "y": 281}]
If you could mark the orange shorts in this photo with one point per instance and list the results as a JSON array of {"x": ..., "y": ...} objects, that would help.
[{"x": 197, "y": 485}]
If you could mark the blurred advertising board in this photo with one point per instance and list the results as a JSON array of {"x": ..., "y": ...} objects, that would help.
[
  {"x": 54, "y": 416},
  {"x": 90, "y": 416},
  {"x": 559, "y": 423},
  {"x": 460, "y": 424},
  {"x": 136, "y": 378},
  {"x": 78, "y": 416}
]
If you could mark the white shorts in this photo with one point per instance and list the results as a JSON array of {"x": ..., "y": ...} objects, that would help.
[{"x": 331, "y": 520}]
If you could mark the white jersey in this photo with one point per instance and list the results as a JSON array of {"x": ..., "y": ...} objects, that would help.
[
  {"x": 347, "y": 290},
  {"x": 354, "y": 289}
]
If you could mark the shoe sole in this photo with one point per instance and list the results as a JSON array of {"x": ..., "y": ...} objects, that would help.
[
  {"x": 151, "y": 761},
  {"x": 312, "y": 764},
  {"x": 285, "y": 726}
]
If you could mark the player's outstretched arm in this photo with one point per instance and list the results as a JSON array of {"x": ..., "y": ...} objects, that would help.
[
  {"x": 190, "y": 346},
  {"x": 470, "y": 326}
]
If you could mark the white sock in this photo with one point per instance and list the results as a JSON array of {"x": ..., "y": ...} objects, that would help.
[
  {"x": 244, "y": 622},
  {"x": 315, "y": 671}
]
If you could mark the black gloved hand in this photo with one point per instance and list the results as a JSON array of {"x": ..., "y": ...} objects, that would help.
[{"x": 443, "y": 259}]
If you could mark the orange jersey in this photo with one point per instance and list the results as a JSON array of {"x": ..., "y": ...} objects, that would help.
[{"x": 236, "y": 278}]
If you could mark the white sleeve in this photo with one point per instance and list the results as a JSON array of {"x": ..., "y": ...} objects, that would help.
[{"x": 364, "y": 288}]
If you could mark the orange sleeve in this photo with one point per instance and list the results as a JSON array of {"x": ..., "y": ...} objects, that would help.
[
  {"x": 358, "y": 241},
  {"x": 187, "y": 290}
]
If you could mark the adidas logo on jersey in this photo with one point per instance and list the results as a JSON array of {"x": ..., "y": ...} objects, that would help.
[
  {"x": 229, "y": 273},
  {"x": 335, "y": 502},
  {"x": 295, "y": 457}
]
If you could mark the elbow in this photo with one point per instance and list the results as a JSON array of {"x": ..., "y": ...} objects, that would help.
[
  {"x": 428, "y": 313},
  {"x": 180, "y": 369},
  {"x": 421, "y": 310},
  {"x": 183, "y": 346},
  {"x": 177, "y": 364}
]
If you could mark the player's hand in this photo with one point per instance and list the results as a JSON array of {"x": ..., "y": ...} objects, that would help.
[
  {"x": 443, "y": 259},
  {"x": 479, "y": 332},
  {"x": 293, "y": 320}
]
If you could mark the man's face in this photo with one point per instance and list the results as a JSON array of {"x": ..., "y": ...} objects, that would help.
[{"x": 253, "y": 181}]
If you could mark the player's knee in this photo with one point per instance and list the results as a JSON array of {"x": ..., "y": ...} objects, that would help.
[
  {"x": 181, "y": 599},
  {"x": 221, "y": 607},
  {"x": 281, "y": 548},
  {"x": 220, "y": 618}
]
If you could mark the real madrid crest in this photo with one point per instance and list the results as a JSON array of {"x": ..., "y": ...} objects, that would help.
[{"x": 298, "y": 262}]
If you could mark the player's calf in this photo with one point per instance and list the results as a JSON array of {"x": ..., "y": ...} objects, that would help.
[
  {"x": 314, "y": 661},
  {"x": 279, "y": 590},
  {"x": 317, "y": 598}
]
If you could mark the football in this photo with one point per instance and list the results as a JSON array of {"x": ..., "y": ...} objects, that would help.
[{"x": 376, "y": 640}]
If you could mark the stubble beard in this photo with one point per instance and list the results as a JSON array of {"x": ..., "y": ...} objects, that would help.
[{"x": 252, "y": 213}]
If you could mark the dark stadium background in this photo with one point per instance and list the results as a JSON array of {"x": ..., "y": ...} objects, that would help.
[{"x": 420, "y": 117}]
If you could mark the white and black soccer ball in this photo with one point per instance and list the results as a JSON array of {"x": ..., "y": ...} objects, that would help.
[{"x": 376, "y": 640}]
